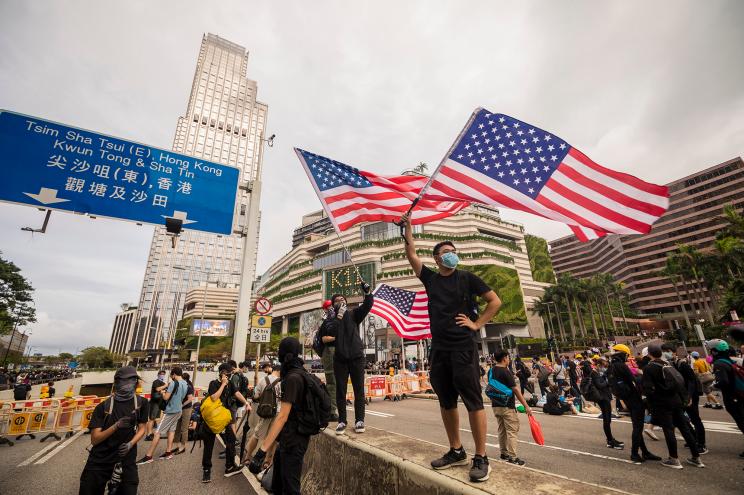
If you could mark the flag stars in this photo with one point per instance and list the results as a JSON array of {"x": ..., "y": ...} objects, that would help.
[
  {"x": 531, "y": 159},
  {"x": 512, "y": 143},
  {"x": 548, "y": 137},
  {"x": 467, "y": 146},
  {"x": 527, "y": 180},
  {"x": 512, "y": 172},
  {"x": 508, "y": 163},
  {"x": 538, "y": 179},
  {"x": 481, "y": 126},
  {"x": 505, "y": 154},
  {"x": 538, "y": 149},
  {"x": 554, "y": 158},
  {"x": 470, "y": 154},
  {"x": 546, "y": 168},
  {"x": 534, "y": 170},
  {"x": 516, "y": 182},
  {"x": 523, "y": 141},
  {"x": 520, "y": 161},
  {"x": 562, "y": 146},
  {"x": 501, "y": 174},
  {"x": 523, "y": 171},
  {"x": 551, "y": 147},
  {"x": 486, "y": 167},
  {"x": 490, "y": 148},
  {"x": 531, "y": 191},
  {"x": 531, "y": 131},
  {"x": 535, "y": 140},
  {"x": 502, "y": 119},
  {"x": 508, "y": 134},
  {"x": 494, "y": 156}
]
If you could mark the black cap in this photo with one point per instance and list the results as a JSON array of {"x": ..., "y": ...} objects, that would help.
[{"x": 126, "y": 372}]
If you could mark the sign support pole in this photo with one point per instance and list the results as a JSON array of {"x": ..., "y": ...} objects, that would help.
[
  {"x": 258, "y": 357},
  {"x": 248, "y": 265}
]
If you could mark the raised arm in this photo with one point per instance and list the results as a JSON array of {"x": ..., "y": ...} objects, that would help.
[{"x": 413, "y": 258}]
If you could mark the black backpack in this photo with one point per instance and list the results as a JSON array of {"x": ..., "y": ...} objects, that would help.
[
  {"x": 313, "y": 416},
  {"x": 619, "y": 387},
  {"x": 267, "y": 401},
  {"x": 588, "y": 389},
  {"x": 318, "y": 345},
  {"x": 243, "y": 385}
]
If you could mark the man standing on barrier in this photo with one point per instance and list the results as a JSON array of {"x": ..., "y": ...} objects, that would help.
[
  {"x": 117, "y": 424},
  {"x": 454, "y": 355},
  {"x": 348, "y": 359}
]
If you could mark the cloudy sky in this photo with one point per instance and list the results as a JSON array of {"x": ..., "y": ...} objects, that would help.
[{"x": 652, "y": 88}]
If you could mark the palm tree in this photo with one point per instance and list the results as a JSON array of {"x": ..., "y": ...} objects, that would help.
[
  {"x": 606, "y": 284},
  {"x": 586, "y": 289},
  {"x": 542, "y": 308},
  {"x": 690, "y": 261},
  {"x": 552, "y": 296},
  {"x": 564, "y": 287},
  {"x": 671, "y": 272}
]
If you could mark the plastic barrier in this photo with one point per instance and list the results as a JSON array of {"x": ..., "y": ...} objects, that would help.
[{"x": 395, "y": 387}]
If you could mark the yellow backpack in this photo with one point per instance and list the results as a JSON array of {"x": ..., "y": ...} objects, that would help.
[{"x": 215, "y": 415}]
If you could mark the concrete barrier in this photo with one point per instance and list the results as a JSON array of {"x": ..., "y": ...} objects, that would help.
[{"x": 380, "y": 463}]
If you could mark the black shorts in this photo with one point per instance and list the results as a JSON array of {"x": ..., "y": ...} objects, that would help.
[
  {"x": 453, "y": 374},
  {"x": 93, "y": 481}
]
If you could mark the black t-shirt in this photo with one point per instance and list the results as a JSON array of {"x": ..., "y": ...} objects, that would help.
[
  {"x": 228, "y": 393},
  {"x": 329, "y": 329},
  {"x": 154, "y": 394},
  {"x": 189, "y": 391},
  {"x": 105, "y": 454},
  {"x": 445, "y": 303},
  {"x": 507, "y": 378}
]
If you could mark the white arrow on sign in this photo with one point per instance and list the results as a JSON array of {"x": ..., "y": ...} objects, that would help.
[
  {"x": 180, "y": 215},
  {"x": 46, "y": 196}
]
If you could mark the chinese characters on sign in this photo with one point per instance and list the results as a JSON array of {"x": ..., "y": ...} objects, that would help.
[{"x": 52, "y": 165}]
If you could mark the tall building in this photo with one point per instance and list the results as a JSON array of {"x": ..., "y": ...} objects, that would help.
[
  {"x": 319, "y": 266},
  {"x": 121, "y": 333},
  {"x": 224, "y": 123},
  {"x": 695, "y": 215}
]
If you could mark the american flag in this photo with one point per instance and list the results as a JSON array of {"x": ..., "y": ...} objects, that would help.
[
  {"x": 351, "y": 196},
  {"x": 499, "y": 160},
  {"x": 406, "y": 311}
]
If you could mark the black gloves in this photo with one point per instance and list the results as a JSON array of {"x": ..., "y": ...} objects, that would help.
[
  {"x": 365, "y": 287},
  {"x": 257, "y": 462},
  {"x": 124, "y": 449},
  {"x": 124, "y": 423}
]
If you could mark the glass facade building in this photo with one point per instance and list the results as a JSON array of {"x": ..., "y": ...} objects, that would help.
[{"x": 224, "y": 123}]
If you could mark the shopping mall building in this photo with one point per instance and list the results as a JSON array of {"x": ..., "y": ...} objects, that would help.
[{"x": 318, "y": 266}]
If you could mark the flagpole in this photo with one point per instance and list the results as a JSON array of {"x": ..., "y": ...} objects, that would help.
[
  {"x": 436, "y": 171},
  {"x": 328, "y": 211}
]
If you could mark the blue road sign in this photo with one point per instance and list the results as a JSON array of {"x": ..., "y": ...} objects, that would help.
[{"x": 55, "y": 166}]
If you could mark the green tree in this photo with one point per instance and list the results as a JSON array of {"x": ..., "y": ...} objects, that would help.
[
  {"x": 97, "y": 357},
  {"x": 16, "y": 301},
  {"x": 65, "y": 356}
]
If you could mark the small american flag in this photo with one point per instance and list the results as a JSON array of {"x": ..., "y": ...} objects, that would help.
[
  {"x": 351, "y": 196},
  {"x": 406, "y": 311},
  {"x": 499, "y": 160}
]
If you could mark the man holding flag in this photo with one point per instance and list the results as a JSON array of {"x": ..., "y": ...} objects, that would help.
[{"x": 454, "y": 356}]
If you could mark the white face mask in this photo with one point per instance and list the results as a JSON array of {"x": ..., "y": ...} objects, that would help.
[{"x": 668, "y": 356}]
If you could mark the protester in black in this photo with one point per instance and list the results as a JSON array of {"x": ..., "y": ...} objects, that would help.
[
  {"x": 694, "y": 391},
  {"x": 667, "y": 399},
  {"x": 117, "y": 424},
  {"x": 725, "y": 382},
  {"x": 292, "y": 445},
  {"x": 157, "y": 404},
  {"x": 454, "y": 368},
  {"x": 604, "y": 400},
  {"x": 348, "y": 358},
  {"x": 625, "y": 388},
  {"x": 224, "y": 391},
  {"x": 522, "y": 373}
]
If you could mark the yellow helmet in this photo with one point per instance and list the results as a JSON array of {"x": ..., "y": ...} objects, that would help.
[{"x": 621, "y": 348}]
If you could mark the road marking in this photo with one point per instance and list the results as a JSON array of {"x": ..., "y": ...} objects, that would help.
[
  {"x": 374, "y": 413},
  {"x": 597, "y": 485},
  {"x": 60, "y": 447},
  {"x": 40, "y": 453},
  {"x": 572, "y": 451}
]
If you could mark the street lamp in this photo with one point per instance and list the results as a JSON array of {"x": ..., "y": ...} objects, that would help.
[{"x": 204, "y": 306}]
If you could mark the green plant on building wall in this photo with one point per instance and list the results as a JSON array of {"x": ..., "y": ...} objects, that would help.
[
  {"x": 537, "y": 251},
  {"x": 505, "y": 282}
]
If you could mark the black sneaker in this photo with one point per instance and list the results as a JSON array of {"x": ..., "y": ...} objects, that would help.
[
  {"x": 515, "y": 460},
  {"x": 207, "y": 476},
  {"x": 165, "y": 455},
  {"x": 145, "y": 460},
  {"x": 451, "y": 458},
  {"x": 636, "y": 459},
  {"x": 648, "y": 456},
  {"x": 480, "y": 469},
  {"x": 233, "y": 470},
  {"x": 149, "y": 437},
  {"x": 341, "y": 428},
  {"x": 702, "y": 450},
  {"x": 615, "y": 445},
  {"x": 707, "y": 405},
  {"x": 505, "y": 457}
]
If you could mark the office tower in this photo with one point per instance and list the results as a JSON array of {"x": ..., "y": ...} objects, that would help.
[{"x": 223, "y": 123}]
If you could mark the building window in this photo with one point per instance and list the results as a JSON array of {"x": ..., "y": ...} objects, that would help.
[
  {"x": 331, "y": 259},
  {"x": 379, "y": 231}
]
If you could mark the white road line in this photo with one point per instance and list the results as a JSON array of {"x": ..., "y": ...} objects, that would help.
[
  {"x": 40, "y": 453},
  {"x": 572, "y": 451},
  {"x": 60, "y": 447},
  {"x": 604, "y": 487},
  {"x": 374, "y": 413}
]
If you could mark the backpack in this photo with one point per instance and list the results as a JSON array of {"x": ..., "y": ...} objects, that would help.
[
  {"x": 542, "y": 373},
  {"x": 267, "y": 401},
  {"x": 313, "y": 416},
  {"x": 318, "y": 345},
  {"x": 243, "y": 387},
  {"x": 214, "y": 414},
  {"x": 588, "y": 389},
  {"x": 20, "y": 391},
  {"x": 738, "y": 372},
  {"x": 499, "y": 393},
  {"x": 619, "y": 387}
]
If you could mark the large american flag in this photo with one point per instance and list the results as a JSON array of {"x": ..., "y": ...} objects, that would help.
[
  {"x": 351, "y": 196},
  {"x": 406, "y": 311},
  {"x": 499, "y": 160}
]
